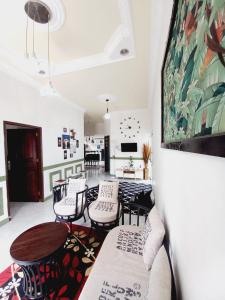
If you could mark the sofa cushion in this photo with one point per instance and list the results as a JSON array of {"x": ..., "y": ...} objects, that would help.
[
  {"x": 103, "y": 211},
  {"x": 119, "y": 270},
  {"x": 160, "y": 277},
  {"x": 153, "y": 235}
]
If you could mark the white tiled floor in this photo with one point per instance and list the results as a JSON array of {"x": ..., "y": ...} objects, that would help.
[{"x": 28, "y": 214}]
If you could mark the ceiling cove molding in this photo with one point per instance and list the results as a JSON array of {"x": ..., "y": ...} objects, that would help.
[
  {"x": 86, "y": 63},
  {"x": 18, "y": 75},
  {"x": 26, "y": 79},
  {"x": 123, "y": 37}
]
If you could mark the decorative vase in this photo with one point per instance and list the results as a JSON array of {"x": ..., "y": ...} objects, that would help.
[
  {"x": 131, "y": 163},
  {"x": 146, "y": 173}
]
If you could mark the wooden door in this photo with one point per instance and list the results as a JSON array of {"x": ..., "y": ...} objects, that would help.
[{"x": 23, "y": 165}]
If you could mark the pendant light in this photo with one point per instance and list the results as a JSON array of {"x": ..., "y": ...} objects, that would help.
[
  {"x": 107, "y": 114},
  {"x": 39, "y": 12},
  {"x": 48, "y": 89}
]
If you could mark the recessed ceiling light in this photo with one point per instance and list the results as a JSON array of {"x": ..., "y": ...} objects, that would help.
[
  {"x": 124, "y": 51},
  {"x": 102, "y": 98},
  {"x": 41, "y": 72}
]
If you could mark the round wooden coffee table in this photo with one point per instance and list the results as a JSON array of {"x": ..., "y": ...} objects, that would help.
[{"x": 37, "y": 252}]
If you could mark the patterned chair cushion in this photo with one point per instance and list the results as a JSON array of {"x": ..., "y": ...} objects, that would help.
[
  {"x": 103, "y": 211},
  {"x": 67, "y": 206}
]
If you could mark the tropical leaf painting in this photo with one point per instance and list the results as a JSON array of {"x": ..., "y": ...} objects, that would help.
[{"x": 194, "y": 71}]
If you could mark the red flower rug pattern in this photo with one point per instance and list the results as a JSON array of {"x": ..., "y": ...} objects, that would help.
[{"x": 79, "y": 254}]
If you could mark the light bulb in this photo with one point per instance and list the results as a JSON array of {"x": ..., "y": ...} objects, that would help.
[
  {"x": 107, "y": 116},
  {"x": 49, "y": 91}
]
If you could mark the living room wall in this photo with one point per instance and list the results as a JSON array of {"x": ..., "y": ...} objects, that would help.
[
  {"x": 22, "y": 103},
  {"x": 189, "y": 191},
  {"x": 121, "y": 159}
]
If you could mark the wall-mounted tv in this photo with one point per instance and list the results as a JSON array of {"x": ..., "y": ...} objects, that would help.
[{"x": 128, "y": 147}]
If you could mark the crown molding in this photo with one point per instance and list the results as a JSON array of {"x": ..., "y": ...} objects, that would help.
[{"x": 27, "y": 80}]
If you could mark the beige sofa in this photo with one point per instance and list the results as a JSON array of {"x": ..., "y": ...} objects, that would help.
[{"x": 119, "y": 272}]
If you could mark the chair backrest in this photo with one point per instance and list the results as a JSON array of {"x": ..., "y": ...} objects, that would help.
[
  {"x": 108, "y": 191},
  {"x": 75, "y": 186}
]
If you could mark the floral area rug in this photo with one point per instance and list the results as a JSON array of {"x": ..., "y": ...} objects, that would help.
[{"x": 79, "y": 254}]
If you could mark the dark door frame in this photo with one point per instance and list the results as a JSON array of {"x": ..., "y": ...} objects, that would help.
[{"x": 8, "y": 125}]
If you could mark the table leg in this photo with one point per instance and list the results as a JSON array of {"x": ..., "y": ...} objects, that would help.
[{"x": 41, "y": 279}]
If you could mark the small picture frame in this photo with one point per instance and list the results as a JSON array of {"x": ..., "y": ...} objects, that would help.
[
  {"x": 66, "y": 141},
  {"x": 72, "y": 134},
  {"x": 59, "y": 142}
]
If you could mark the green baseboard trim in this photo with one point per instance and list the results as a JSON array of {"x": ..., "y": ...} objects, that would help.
[
  {"x": 62, "y": 164},
  {"x": 2, "y": 178},
  {"x": 78, "y": 166},
  {"x": 4, "y": 221},
  {"x": 126, "y": 158},
  {"x": 48, "y": 198},
  {"x": 68, "y": 170},
  {"x": 51, "y": 175}
]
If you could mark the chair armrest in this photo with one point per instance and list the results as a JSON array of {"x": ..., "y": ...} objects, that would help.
[
  {"x": 83, "y": 191},
  {"x": 92, "y": 194},
  {"x": 59, "y": 191},
  {"x": 118, "y": 209},
  {"x": 140, "y": 210}
]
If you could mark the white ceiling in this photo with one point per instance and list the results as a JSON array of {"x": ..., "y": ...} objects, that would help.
[{"x": 86, "y": 38}]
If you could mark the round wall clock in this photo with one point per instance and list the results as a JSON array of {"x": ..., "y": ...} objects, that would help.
[{"x": 130, "y": 127}]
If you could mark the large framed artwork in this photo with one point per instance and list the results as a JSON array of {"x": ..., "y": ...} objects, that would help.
[{"x": 193, "y": 78}]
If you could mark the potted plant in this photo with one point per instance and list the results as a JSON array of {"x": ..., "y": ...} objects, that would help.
[
  {"x": 131, "y": 162},
  {"x": 146, "y": 157}
]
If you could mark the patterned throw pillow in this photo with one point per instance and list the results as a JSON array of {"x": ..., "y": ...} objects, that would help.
[
  {"x": 146, "y": 231},
  {"x": 75, "y": 186},
  {"x": 108, "y": 191},
  {"x": 152, "y": 236}
]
